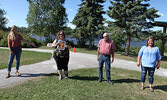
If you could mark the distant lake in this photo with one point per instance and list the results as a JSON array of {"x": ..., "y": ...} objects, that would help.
[{"x": 95, "y": 42}]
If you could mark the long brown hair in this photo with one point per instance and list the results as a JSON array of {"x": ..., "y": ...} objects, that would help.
[
  {"x": 61, "y": 31},
  {"x": 149, "y": 39},
  {"x": 12, "y": 32}
]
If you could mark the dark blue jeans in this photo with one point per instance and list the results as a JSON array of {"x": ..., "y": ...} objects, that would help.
[
  {"x": 150, "y": 71},
  {"x": 17, "y": 52},
  {"x": 104, "y": 59}
]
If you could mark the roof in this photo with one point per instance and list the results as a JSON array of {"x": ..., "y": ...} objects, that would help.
[{"x": 160, "y": 23}]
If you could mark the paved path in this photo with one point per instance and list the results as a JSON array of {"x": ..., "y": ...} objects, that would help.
[{"x": 77, "y": 60}]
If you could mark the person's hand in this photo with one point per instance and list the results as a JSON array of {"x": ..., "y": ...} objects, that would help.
[
  {"x": 112, "y": 60},
  {"x": 11, "y": 52},
  {"x": 157, "y": 66},
  {"x": 138, "y": 64},
  {"x": 97, "y": 58}
]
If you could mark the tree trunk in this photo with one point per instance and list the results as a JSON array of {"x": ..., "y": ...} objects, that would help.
[
  {"x": 90, "y": 41},
  {"x": 162, "y": 47},
  {"x": 127, "y": 45}
]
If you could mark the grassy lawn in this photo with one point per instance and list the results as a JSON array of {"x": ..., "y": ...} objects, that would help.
[
  {"x": 27, "y": 57},
  {"x": 83, "y": 85}
]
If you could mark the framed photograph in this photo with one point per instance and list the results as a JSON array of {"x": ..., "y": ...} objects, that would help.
[{"x": 61, "y": 45}]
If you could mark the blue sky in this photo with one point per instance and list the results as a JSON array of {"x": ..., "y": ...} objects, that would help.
[{"x": 17, "y": 10}]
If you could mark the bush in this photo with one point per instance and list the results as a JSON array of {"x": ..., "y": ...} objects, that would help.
[
  {"x": 4, "y": 41},
  {"x": 31, "y": 40}
]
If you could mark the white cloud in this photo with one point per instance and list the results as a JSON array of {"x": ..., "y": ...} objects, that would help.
[
  {"x": 160, "y": 14},
  {"x": 72, "y": 26}
]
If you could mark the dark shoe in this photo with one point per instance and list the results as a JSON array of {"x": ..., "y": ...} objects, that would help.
[
  {"x": 66, "y": 76},
  {"x": 110, "y": 82},
  {"x": 100, "y": 80},
  {"x": 151, "y": 89}
]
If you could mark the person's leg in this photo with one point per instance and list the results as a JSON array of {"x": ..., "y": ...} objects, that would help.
[
  {"x": 11, "y": 58},
  {"x": 60, "y": 74},
  {"x": 143, "y": 76},
  {"x": 66, "y": 60},
  {"x": 107, "y": 66},
  {"x": 151, "y": 77},
  {"x": 18, "y": 56},
  {"x": 58, "y": 62},
  {"x": 100, "y": 67}
]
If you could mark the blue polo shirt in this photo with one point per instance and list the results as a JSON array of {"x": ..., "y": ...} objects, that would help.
[{"x": 149, "y": 56}]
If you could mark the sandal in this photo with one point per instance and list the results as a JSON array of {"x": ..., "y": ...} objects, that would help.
[
  {"x": 8, "y": 75},
  {"x": 151, "y": 89},
  {"x": 18, "y": 74},
  {"x": 142, "y": 87}
]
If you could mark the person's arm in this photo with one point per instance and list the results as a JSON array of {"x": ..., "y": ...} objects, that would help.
[
  {"x": 9, "y": 45},
  {"x": 68, "y": 45},
  {"x": 138, "y": 61},
  {"x": 112, "y": 53},
  {"x": 158, "y": 64},
  {"x": 55, "y": 43},
  {"x": 98, "y": 54},
  {"x": 28, "y": 42}
]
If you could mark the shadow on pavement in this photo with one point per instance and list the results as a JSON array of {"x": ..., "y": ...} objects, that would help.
[
  {"x": 126, "y": 80},
  {"x": 36, "y": 75},
  {"x": 84, "y": 78}
]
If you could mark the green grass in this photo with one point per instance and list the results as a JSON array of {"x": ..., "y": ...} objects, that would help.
[
  {"x": 27, "y": 57},
  {"x": 83, "y": 85}
]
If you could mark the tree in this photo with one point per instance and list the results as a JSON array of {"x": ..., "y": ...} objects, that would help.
[
  {"x": 88, "y": 21},
  {"x": 3, "y": 20},
  {"x": 133, "y": 17},
  {"x": 163, "y": 38},
  {"x": 46, "y": 17}
]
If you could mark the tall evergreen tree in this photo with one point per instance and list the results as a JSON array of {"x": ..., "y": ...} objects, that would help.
[
  {"x": 133, "y": 17},
  {"x": 46, "y": 17},
  {"x": 163, "y": 38},
  {"x": 88, "y": 21},
  {"x": 3, "y": 19}
]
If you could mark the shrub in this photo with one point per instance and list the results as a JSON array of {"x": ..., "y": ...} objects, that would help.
[{"x": 4, "y": 41}]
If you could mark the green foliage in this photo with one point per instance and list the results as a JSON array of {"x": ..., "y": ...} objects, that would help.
[
  {"x": 31, "y": 40},
  {"x": 46, "y": 17},
  {"x": 161, "y": 40},
  {"x": 3, "y": 19},
  {"x": 88, "y": 21},
  {"x": 133, "y": 17},
  {"x": 4, "y": 40}
]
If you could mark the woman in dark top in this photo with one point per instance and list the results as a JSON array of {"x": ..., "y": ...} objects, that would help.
[{"x": 61, "y": 54}]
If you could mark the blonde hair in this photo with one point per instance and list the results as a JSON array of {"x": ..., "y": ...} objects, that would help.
[{"x": 12, "y": 33}]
